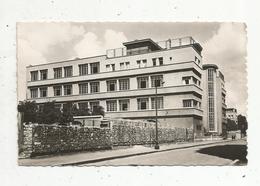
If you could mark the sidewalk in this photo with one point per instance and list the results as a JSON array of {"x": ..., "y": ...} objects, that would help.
[{"x": 78, "y": 158}]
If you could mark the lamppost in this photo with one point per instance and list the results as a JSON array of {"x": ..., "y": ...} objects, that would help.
[{"x": 158, "y": 82}]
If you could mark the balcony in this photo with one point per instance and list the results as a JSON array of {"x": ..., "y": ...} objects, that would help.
[
  {"x": 160, "y": 45},
  {"x": 161, "y": 113},
  {"x": 123, "y": 94},
  {"x": 118, "y": 74}
]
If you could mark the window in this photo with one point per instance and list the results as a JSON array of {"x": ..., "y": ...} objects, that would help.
[
  {"x": 111, "y": 85},
  {"x": 34, "y": 75},
  {"x": 111, "y": 106},
  {"x": 58, "y": 106},
  {"x": 94, "y": 87},
  {"x": 124, "y": 105},
  {"x": 107, "y": 68},
  {"x": 127, "y": 64},
  {"x": 122, "y": 66},
  {"x": 197, "y": 60},
  {"x": 157, "y": 80},
  {"x": 170, "y": 58},
  {"x": 160, "y": 60},
  {"x": 144, "y": 62},
  {"x": 123, "y": 84},
  {"x": 57, "y": 90},
  {"x": 44, "y": 74},
  {"x": 43, "y": 92},
  {"x": 154, "y": 61},
  {"x": 83, "y": 88},
  {"x": 57, "y": 73},
  {"x": 67, "y": 89},
  {"x": 113, "y": 68},
  {"x": 198, "y": 127},
  {"x": 159, "y": 102},
  {"x": 187, "y": 103},
  {"x": 68, "y": 71},
  {"x": 83, "y": 69},
  {"x": 93, "y": 105},
  {"x": 186, "y": 80},
  {"x": 138, "y": 62},
  {"x": 94, "y": 68},
  {"x": 83, "y": 105},
  {"x": 34, "y": 92},
  {"x": 143, "y": 103},
  {"x": 142, "y": 82}
]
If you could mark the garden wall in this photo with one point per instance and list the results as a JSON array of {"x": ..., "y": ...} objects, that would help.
[{"x": 49, "y": 139}]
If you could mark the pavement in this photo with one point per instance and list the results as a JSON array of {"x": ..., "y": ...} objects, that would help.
[{"x": 87, "y": 157}]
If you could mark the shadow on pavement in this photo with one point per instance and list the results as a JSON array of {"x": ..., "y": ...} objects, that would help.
[{"x": 231, "y": 152}]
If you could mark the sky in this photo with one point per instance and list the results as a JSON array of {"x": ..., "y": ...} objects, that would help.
[{"x": 224, "y": 44}]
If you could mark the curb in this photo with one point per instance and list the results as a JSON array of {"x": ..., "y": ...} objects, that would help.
[{"x": 135, "y": 154}]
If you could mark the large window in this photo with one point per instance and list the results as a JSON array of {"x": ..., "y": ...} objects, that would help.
[
  {"x": 142, "y": 82},
  {"x": 123, "y": 84},
  {"x": 67, "y": 89},
  {"x": 68, "y": 71},
  {"x": 157, "y": 80},
  {"x": 34, "y": 75},
  {"x": 187, "y": 103},
  {"x": 94, "y": 68},
  {"x": 93, "y": 105},
  {"x": 57, "y": 91},
  {"x": 43, "y": 92},
  {"x": 124, "y": 105},
  {"x": 111, "y": 105},
  {"x": 57, "y": 73},
  {"x": 159, "y": 102},
  {"x": 44, "y": 74},
  {"x": 143, "y": 103},
  {"x": 111, "y": 85},
  {"x": 83, "y": 88},
  {"x": 34, "y": 92},
  {"x": 94, "y": 87},
  {"x": 83, "y": 69}
]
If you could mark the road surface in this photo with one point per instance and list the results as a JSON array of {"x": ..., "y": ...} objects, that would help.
[{"x": 218, "y": 154}]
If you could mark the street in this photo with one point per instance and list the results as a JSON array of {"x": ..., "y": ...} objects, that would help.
[{"x": 214, "y": 154}]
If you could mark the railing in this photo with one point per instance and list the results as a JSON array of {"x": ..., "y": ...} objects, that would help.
[{"x": 165, "y": 44}]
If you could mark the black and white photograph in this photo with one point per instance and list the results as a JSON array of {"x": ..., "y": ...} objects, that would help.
[{"x": 132, "y": 94}]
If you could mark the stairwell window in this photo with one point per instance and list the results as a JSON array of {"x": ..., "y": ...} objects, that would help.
[{"x": 187, "y": 103}]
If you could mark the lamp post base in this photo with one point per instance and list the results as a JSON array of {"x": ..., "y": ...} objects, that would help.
[{"x": 156, "y": 146}]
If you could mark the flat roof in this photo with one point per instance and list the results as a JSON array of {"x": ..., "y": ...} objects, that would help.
[{"x": 142, "y": 42}]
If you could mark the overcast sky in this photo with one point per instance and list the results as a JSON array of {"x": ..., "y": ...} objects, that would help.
[{"x": 223, "y": 44}]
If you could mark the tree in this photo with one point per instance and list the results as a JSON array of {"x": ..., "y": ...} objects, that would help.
[
  {"x": 231, "y": 125},
  {"x": 48, "y": 114},
  {"x": 29, "y": 111},
  {"x": 242, "y": 123}
]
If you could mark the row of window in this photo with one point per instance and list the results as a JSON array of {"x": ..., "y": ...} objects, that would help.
[
  {"x": 191, "y": 103},
  {"x": 124, "y": 84},
  {"x": 187, "y": 80}
]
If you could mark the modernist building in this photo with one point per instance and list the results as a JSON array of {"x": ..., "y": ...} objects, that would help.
[
  {"x": 214, "y": 98},
  {"x": 231, "y": 114},
  {"x": 123, "y": 82}
]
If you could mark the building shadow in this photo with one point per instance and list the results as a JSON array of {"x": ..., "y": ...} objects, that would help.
[{"x": 231, "y": 152}]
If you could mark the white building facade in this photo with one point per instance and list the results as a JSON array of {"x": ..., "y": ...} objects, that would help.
[{"x": 123, "y": 82}]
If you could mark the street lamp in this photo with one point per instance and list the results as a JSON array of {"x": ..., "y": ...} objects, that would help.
[{"x": 158, "y": 83}]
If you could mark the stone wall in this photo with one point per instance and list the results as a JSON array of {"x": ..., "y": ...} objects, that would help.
[{"x": 49, "y": 139}]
